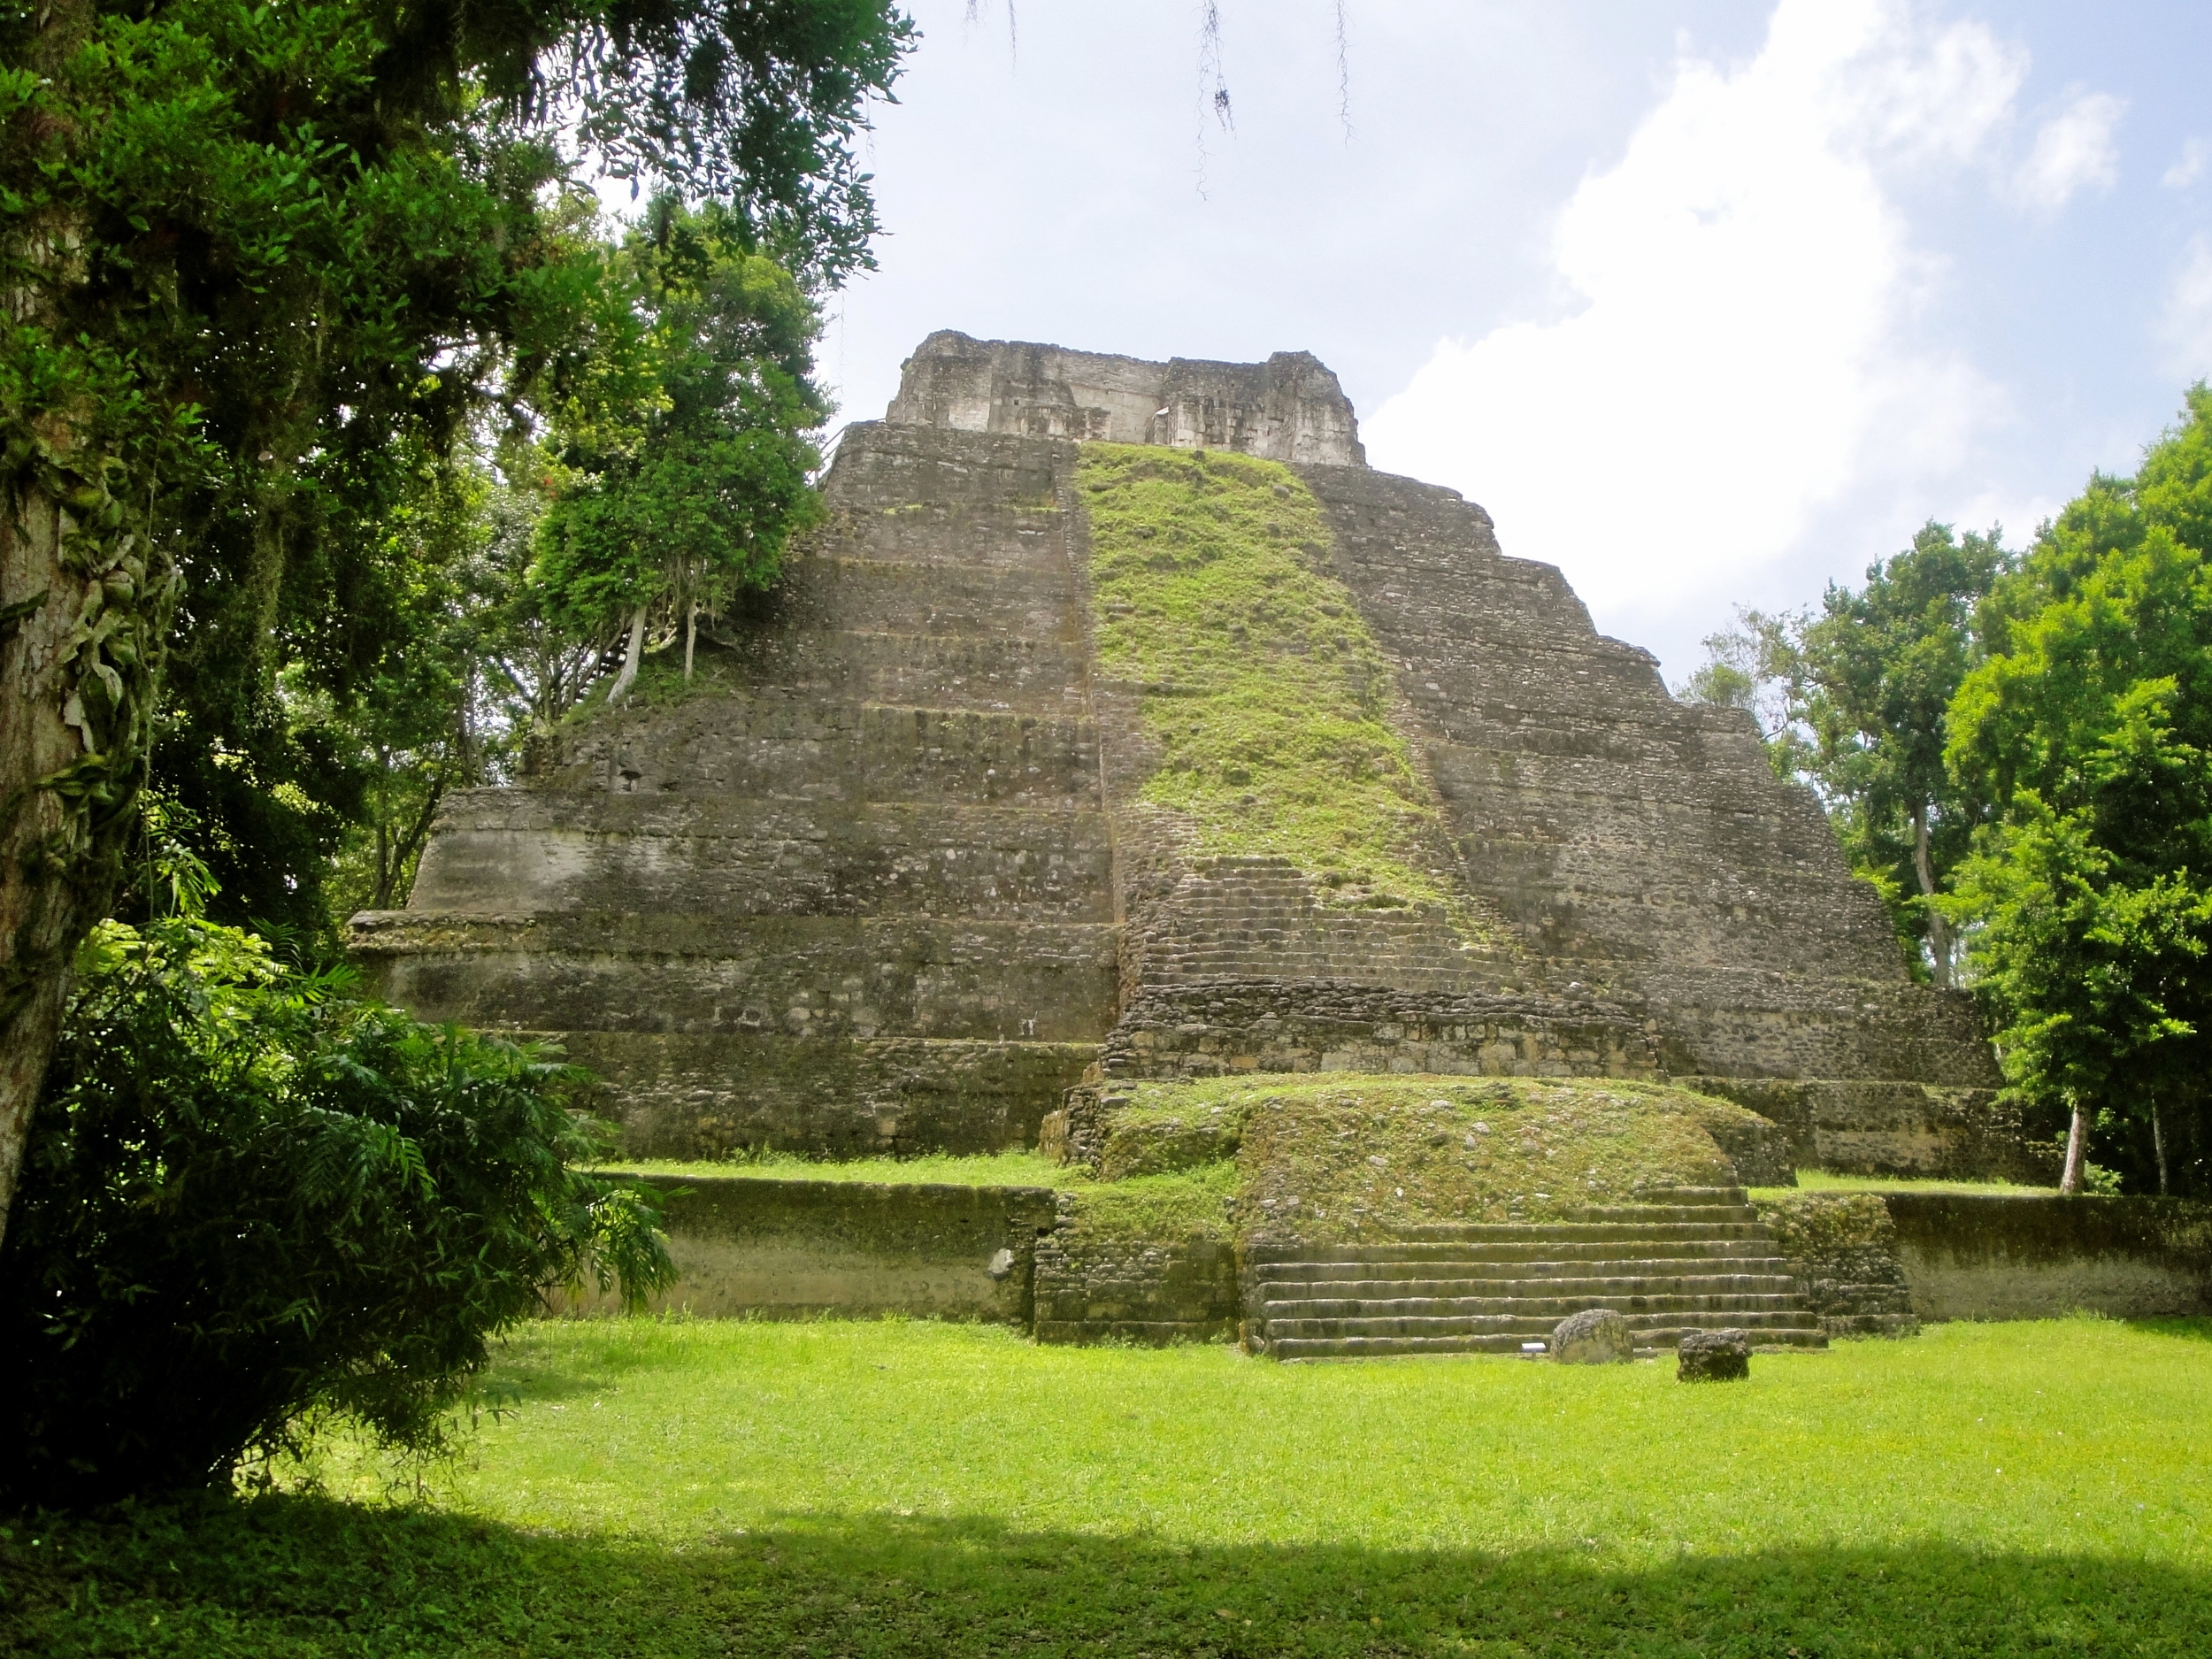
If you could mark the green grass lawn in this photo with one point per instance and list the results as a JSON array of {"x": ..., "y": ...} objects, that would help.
[
  {"x": 835, "y": 1488},
  {"x": 980, "y": 1169},
  {"x": 1823, "y": 1181}
]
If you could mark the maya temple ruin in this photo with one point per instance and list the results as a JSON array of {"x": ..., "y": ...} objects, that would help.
[{"x": 1122, "y": 726}]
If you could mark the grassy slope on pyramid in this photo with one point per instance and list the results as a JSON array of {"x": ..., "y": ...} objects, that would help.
[
  {"x": 1343, "y": 1156},
  {"x": 1262, "y": 687}
]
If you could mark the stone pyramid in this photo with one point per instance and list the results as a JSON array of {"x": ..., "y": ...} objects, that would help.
[{"x": 895, "y": 875}]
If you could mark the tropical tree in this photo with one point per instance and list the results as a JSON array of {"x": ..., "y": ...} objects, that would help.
[
  {"x": 671, "y": 499},
  {"x": 1875, "y": 673},
  {"x": 249, "y": 254},
  {"x": 2088, "y": 731}
]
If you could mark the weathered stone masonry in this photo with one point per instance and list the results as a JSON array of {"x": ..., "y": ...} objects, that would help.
[
  {"x": 885, "y": 886},
  {"x": 858, "y": 898}
]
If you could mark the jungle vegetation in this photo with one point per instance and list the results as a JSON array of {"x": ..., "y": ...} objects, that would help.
[
  {"x": 2014, "y": 749},
  {"x": 334, "y": 412}
]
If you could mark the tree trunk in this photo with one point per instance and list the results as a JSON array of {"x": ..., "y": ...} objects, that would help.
[
  {"x": 38, "y": 921},
  {"x": 1938, "y": 928},
  {"x": 406, "y": 845},
  {"x": 85, "y": 599},
  {"x": 623, "y": 680},
  {"x": 691, "y": 638},
  {"x": 72, "y": 753},
  {"x": 2158, "y": 1145},
  {"x": 2076, "y": 1151}
]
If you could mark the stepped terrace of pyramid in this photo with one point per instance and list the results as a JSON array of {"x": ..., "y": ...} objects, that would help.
[{"x": 1122, "y": 724}]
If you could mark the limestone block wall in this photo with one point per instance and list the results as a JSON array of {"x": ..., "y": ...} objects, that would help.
[
  {"x": 1136, "y": 1290},
  {"x": 1643, "y": 849},
  {"x": 1842, "y": 1248},
  {"x": 790, "y": 1249},
  {"x": 1230, "y": 1025}
]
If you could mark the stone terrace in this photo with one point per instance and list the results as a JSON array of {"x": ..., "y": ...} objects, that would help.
[{"x": 856, "y": 898}]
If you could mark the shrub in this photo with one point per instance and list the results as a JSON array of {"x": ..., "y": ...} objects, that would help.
[{"x": 253, "y": 1203}]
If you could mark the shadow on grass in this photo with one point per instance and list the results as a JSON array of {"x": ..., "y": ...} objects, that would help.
[
  {"x": 2196, "y": 1328},
  {"x": 299, "y": 1576}
]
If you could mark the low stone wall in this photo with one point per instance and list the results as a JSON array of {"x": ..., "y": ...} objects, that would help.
[
  {"x": 1874, "y": 1127},
  {"x": 1843, "y": 1247},
  {"x": 791, "y": 1248},
  {"x": 1092, "y": 1289},
  {"x": 1872, "y": 1263},
  {"x": 2028, "y": 1257}
]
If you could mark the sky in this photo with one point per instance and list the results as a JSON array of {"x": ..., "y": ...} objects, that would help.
[{"x": 1709, "y": 305}]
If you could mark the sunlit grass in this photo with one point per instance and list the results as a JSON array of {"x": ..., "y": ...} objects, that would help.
[
  {"x": 1824, "y": 1182},
  {"x": 981, "y": 1169},
  {"x": 673, "y": 1489}
]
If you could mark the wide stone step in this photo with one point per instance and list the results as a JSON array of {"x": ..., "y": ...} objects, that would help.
[
  {"x": 1667, "y": 1212},
  {"x": 1643, "y": 1216},
  {"x": 1483, "y": 1241},
  {"x": 1013, "y": 537},
  {"x": 768, "y": 746},
  {"x": 1532, "y": 1324},
  {"x": 1584, "y": 1231},
  {"x": 1284, "y": 1294},
  {"x": 1654, "y": 1342},
  {"x": 1721, "y": 1305},
  {"x": 915, "y": 669},
  {"x": 521, "y": 850},
  {"x": 703, "y": 1095},
  {"x": 888, "y": 596},
  {"x": 1515, "y": 1261},
  {"x": 804, "y": 976},
  {"x": 1690, "y": 1194}
]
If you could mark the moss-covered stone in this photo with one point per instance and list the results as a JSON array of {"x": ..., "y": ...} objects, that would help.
[
  {"x": 1344, "y": 1154},
  {"x": 1192, "y": 1173},
  {"x": 1153, "y": 1140},
  {"x": 1843, "y": 1247}
]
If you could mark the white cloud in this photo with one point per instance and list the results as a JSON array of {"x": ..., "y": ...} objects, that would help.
[
  {"x": 2186, "y": 324},
  {"x": 2188, "y": 166},
  {"x": 2073, "y": 151},
  {"x": 1739, "y": 358}
]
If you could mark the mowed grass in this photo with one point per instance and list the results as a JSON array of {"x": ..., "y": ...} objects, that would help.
[
  {"x": 1018, "y": 1168},
  {"x": 838, "y": 1488},
  {"x": 1826, "y": 1181}
]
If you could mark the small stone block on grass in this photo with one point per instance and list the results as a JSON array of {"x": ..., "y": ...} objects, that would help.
[
  {"x": 1596, "y": 1336},
  {"x": 1715, "y": 1356}
]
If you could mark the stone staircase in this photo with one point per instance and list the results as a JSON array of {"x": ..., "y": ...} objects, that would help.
[
  {"x": 1680, "y": 1259},
  {"x": 1262, "y": 918}
]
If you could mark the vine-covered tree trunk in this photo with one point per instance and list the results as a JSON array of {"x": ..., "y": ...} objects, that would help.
[
  {"x": 35, "y": 913},
  {"x": 83, "y": 606}
]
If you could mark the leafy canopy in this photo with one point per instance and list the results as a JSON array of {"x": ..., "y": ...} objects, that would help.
[
  {"x": 679, "y": 469},
  {"x": 266, "y": 264},
  {"x": 2089, "y": 729}
]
